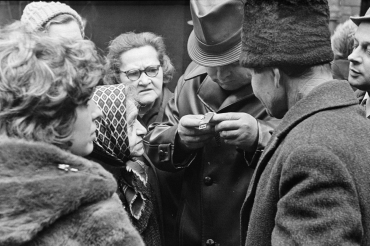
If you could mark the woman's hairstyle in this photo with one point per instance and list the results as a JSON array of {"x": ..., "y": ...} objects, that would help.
[
  {"x": 343, "y": 39},
  {"x": 131, "y": 40},
  {"x": 42, "y": 82}
]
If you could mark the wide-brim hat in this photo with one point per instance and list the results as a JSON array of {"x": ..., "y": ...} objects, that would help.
[
  {"x": 216, "y": 36},
  {"x": 357, "y": 20},
  {"x": 284, "y": 33}
]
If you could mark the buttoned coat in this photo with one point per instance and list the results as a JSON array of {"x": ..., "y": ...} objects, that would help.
[
  {"x": 202, "y": 195},
  {"x": 311, "y": 185}
]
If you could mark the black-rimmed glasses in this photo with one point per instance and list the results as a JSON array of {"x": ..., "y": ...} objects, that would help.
[{"x": 134, "y": 74}]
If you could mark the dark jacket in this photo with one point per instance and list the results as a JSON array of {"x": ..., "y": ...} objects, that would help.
[
  {"x": 42, "y": 204},
  {"x": 311, "y": 185},
  {"x": 206, "y": 190}
]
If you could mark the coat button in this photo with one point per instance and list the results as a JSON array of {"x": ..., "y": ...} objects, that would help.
[
  {"x": 208, "y": 180},
  {"x": 210, "y": 242}
]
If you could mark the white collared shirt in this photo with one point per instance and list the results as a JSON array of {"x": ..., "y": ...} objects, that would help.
[{"x": 366, "y": 102}]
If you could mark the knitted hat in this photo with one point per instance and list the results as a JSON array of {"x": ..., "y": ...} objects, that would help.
[
  {"x": 37, "y": 14},
  {"x": 278, "y": 33}
]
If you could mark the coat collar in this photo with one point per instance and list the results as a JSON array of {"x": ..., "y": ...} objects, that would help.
[
  {"x": 34, "y": 186},
  {"x": 212, "y": 95},
  {"x": 332, "y": 94}
]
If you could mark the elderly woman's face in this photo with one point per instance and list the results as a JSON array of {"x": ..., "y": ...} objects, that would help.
[
  {"x": 84, "y": 128},
  {"x": 148, "y": 85},
  {"x": 135, "y": 130}
]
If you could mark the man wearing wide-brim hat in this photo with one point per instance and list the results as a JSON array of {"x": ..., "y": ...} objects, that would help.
[
  {"x": 210, "y": 160},
  {"x": 311, "y": 185}
]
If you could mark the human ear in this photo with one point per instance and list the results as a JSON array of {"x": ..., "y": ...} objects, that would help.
[{"x": 276, "y": 73}]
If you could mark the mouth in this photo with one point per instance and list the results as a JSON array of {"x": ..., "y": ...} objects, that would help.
[
  {"x": 354, "y": 71},
  {"x": 145, "y": 90}
]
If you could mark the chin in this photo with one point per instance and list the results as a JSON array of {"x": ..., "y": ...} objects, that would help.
[{"x": 147, "y": 101}]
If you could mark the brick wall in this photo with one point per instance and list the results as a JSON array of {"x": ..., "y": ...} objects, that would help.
[{"x": 341, "y": 10}]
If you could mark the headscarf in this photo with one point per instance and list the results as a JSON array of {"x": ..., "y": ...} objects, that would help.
[{"x": 112, "y": 139}]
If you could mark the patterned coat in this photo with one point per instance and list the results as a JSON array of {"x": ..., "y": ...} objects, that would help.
[{"x": 311, "y": 185}]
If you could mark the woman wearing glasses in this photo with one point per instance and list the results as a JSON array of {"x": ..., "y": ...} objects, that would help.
[{"x": 139, "y": 61}]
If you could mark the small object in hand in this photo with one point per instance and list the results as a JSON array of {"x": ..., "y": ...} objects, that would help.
[{"x": 205, "y": 120}]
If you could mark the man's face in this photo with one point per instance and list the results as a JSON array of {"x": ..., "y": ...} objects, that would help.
[
  {"x": 230, "y": 77},
  {"x": 273, "y": 98},
  {"x": 359, "y": 68}
]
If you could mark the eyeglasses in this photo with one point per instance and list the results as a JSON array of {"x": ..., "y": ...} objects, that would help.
[{"x": 135, "y": 74}]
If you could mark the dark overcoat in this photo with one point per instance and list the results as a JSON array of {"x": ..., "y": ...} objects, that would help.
[
  {"x": 312, "y": 183},
  {"x": 202, "y": 195}
]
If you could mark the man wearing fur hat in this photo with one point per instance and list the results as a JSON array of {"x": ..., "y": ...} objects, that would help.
[
  {"x": 55, "y": 18},
  {"x": 208, "y": 164},
  {"x": 311, "y": 185}
]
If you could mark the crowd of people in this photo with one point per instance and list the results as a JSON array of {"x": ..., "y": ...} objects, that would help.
[{"x": 264, "y": 140}]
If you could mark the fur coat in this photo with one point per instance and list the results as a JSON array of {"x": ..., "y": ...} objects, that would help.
[{"x": 45, "y": 202}]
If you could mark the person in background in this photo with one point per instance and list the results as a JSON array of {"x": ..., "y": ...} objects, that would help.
[
  {"x": 49, "y": 193},
  {"x": 210, "y": 164},
  {"x": 55, "y": 18},
  {"x": 311, "y": 184},
  {"x": 119, "y": 148},
  {"x": 342, "y": 46},
  {"x": 139, "y": 61},
  {"x": 359, "y": 68}
]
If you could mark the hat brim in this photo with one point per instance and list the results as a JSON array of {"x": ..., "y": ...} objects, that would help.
[
  {"x": 358, "y": 20},
  {"x": 207, "y": 59}
]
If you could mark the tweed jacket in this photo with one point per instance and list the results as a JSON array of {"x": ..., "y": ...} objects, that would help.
[
  {"x": 41, "y": 204},
  {"x": 311, "y": 185}
]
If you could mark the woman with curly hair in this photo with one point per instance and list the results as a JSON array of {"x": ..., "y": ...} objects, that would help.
[
  {"x": 49, "y": 193},
  {"x": 139, "y": 61}
]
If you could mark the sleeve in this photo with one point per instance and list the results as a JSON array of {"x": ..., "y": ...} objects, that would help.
[
  {"x": 265, "y": 131},
  {"x": 160, "y": 142},
  {"x": 318, "y": 201}
]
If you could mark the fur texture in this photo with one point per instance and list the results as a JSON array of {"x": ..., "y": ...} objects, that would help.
[
  {"x": 285, "y": 33},
  {"x": 43, "y": 205},
  {"x": 342, "y": 39}
]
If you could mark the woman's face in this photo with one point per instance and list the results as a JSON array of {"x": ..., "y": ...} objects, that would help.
[
  {"x": 148, "y": 88},
  {"x": 135, "y": 131},
  {"x": 84, "y": 128}
]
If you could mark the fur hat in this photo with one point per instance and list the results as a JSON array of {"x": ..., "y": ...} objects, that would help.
[
  {"x": 278, "y": 33},
  {"x": 37, "y": 14}
]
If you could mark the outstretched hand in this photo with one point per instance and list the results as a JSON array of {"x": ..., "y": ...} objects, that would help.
[
  {"x": 238, "y": 129},
  {"x": 191, "y": 137}
]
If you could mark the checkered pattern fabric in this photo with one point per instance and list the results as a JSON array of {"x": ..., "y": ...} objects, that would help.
[{"x": 112, "y": 129}]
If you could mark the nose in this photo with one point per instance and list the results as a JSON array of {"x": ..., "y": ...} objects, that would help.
[
  {"x": 144, "y": 80},
  {"x": 355, "y": 57},
  {"x": 140, "y": 129},
  {"x": 218, "y": 74},
  {"x": 95, "y": 110}
]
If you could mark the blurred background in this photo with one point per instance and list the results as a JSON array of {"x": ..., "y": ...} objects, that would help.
[{"x": 169, "y": 18}]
